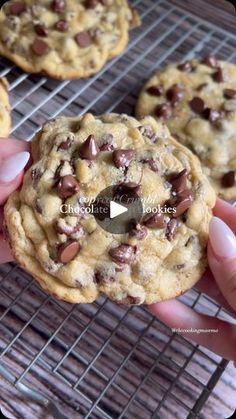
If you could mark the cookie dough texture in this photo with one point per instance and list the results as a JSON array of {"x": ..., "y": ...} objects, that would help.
[
  {"x": 76, "y": 158},
  {"x": 5, "y": 119},
  {"x": 65, "y": 39},
  {"x": 207, "y": 126}
]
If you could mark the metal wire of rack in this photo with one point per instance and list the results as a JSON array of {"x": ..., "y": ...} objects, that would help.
[{"x": 102, "y": 360}]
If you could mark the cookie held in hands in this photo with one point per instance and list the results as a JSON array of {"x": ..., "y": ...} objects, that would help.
[
  {"x": 197, "y": 100},
  {"x": 54, "y": 238},
  {"x": 65, "y": 39}
]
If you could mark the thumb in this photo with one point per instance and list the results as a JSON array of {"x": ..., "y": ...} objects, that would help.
[
  {"x": 222, "y": 258},
  {"x": 11, "y": 173}
]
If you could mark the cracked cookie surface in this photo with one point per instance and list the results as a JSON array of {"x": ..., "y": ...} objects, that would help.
[
  {"x": 65, "y": 39},
  {"x": 69, "y": 254},
  {"x": 197, "y": 100},
  {"x": 5, "y": 117}
]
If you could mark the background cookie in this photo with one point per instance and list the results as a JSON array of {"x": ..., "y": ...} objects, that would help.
[
  {"x": 197, "y": 100},
  {"x": 5, "y": 118},
  {"x": 65, "y": 39},
  {"x": 71, "y": 255}
]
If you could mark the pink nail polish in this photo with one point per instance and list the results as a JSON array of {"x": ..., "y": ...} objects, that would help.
[
  {"x": 12, "y": 166},
  {"x": 222, "y": 238}
]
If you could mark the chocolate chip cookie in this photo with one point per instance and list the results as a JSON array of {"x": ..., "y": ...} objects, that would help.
[
  {"x": 197, "y": 100},
  {"x": 65, "y": 39},
  {"x": 54, "y": 238},
  {"x": 5, "y": 118}
]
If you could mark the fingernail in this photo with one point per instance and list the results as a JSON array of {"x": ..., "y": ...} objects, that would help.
[
  {"x": 12, "y": 166},
  {"x": 223, "y": 240}
]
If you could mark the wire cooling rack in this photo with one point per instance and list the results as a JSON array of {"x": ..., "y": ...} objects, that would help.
[{"x": 102, "y": 360}]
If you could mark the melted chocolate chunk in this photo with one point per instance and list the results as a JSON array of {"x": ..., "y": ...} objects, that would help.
[
  {"x": 148, "y": 132},
  {"x": 184, "y": 201},
  {"x": 212, "y": 114},
  {"x": 35, "y": 175},
  {"x": 103, "y": 278},
  {"x": 155, "y": 90},
  {"x": 38, "y": 206},
  {"x": 122, "y": 158},
  {"x": 175, "y": 94},
  {"x": 41, "y": 29},
  {"x": 17, "y": 8},
  {"x": 230, "y": 93},
  {"x": 139, "y": 232},
  {"x": 152, "y": 163},
  {"x": 68, "y": 229},
  {"x": 229, "y": 179},
  {"x": 171, "y": 229},
  {"x": 65, "y": 145},
  {"x": 62, "y": 25},
  {"x": 164, "y": 110},
  {"x": 197, "y": 105},
  {"x": 124, "y": 253},
  {"x": 129, "y": 300},
  {"x": 154, "y": 220},
  {"x": 91, "y": 4},
  {"x": 67, "y": 251},
  {"x": 67, "y": 186},
  {"x": 89, "y": 149},
  {"x": 211, "y": 61},
  {"x": 107, "y": 143},
  {"x": 40, "y": 47},
  {"x": 179, "y": 181},
  {"x": 58, "y": 6},
  {"x": 219, "y": 76},
  {"x": 187, "y": 67},
  {"x": 83, "y": 39}
]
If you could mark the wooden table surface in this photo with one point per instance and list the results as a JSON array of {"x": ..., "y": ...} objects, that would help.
[{"x": 201, "y": 365}]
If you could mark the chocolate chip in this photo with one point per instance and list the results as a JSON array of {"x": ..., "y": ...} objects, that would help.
[
  {"x": 17, "y": 8},
  {"x": 148, "y": 132},
  {"x": 163, "y": 110},
  {"x": 67, "y": 251},
  {"x": 40, "y": 47},
  {"x": 89, "y": 149},
  {"x": 212, "y": 114},
  {"x": 62, "y": 25},
  {"x": 229, "y": 179},
  {"x": 201, "y": 87},
  {"x": 230, "y": 93},
  {"x": 184, "y": 201},
  {"x": 65, "y": 145},
  {"x": 175, "y": 94},
  {"x": 139, "y": 232},
  {"x": 107, "y": 143},
  {"x": 68, "y": 229},
  {"x": 122, "y": 158},
  {"x": 152, "y": 163},
  {"x": 83, "y": 39},
  {"x": 91, "y": 4},
  {"x": 171, "y": 228},
  {"x": 35, "y": 175},
  {"x": 124, "y": 253},
  {"x": 154, "y": 221},
  {"x": 155, "y": 90},
  {"x": 58, "y": 5},
  {"x": 107, "y": 147},
  {"x": 187, "y": 67},
  {"x": 129, "y": 300},
  {"x": 211, "y": 61},
  {"x": 219, "y": 76},
  {"x": 179, "y": 181},
  {"x": 197, "y": 105},
  {"x": 41, "y": 29},
  {"x": 103, "y": 278},
  {"x": 67, "y": 186}
]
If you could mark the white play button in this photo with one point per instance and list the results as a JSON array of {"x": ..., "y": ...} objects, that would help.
[{"x": 116, "y": 209}]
